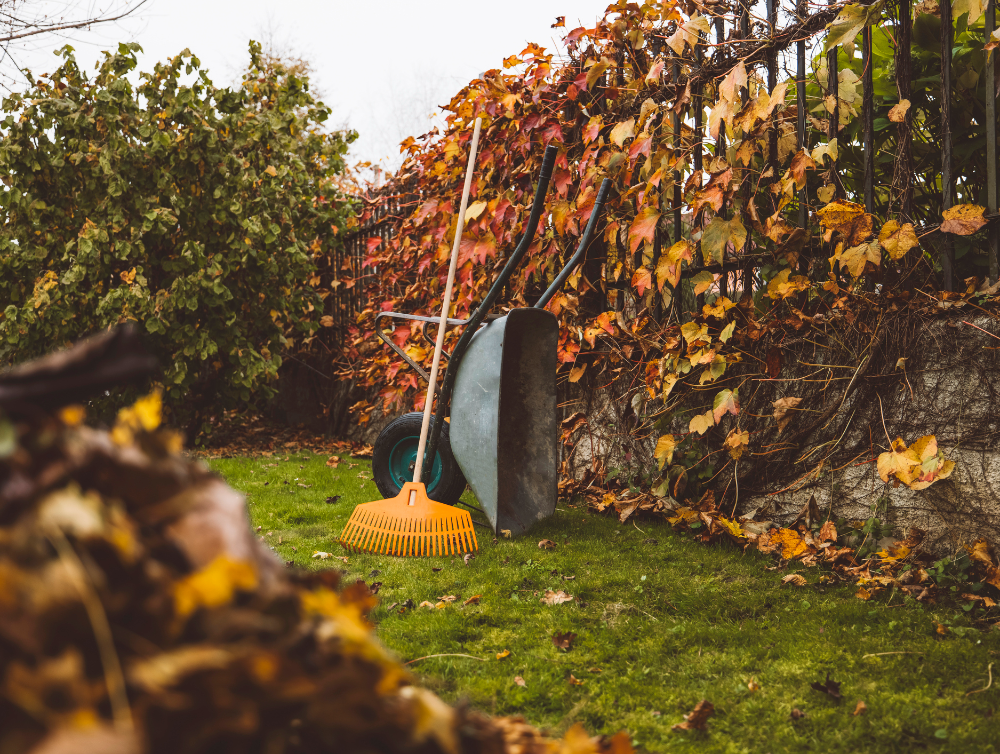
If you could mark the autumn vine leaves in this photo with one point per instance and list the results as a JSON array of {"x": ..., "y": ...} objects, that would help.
[{"x": 623, "y": 104}]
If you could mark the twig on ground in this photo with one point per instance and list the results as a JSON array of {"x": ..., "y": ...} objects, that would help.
[
  {"x": 427, "y": 657},
  {"x": 882, "y": 654},
  {"x": 989, "y": 669}
]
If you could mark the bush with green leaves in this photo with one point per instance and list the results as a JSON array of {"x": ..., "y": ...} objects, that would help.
[{"x": 198, "y": 212}]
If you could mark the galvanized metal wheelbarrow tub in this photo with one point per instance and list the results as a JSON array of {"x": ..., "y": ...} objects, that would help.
[{"x": 500, "y": 385}]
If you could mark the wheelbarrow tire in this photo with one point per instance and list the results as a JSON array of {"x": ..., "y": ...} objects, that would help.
[{"x": 394, "y": 453}]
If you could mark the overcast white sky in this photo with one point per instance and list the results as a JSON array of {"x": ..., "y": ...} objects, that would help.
[{"x": 381, "y": 66}]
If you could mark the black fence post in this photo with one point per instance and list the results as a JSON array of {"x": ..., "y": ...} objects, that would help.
[
  {"x": 947, "y": 182},
  {"x": 991, "y": 146}
]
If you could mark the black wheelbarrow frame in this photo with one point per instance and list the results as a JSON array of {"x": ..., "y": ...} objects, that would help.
[{"x": 504, "y": 427}]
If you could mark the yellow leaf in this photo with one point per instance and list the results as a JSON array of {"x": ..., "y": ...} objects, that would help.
[
  {"x": 856, "y": 258},
  {"x": 72, "y": 416},
  {"x": 577, "y": 372},
  {"x": 792, "y": 545},
  {"x": 727, "y": 333},
  {"x": 897, "y": 239},
  {"x": 848, "y": 219},
  {"x": 503, "y": 655},
  {"x": 417, "y": 353},
  {"x": 963, "y": 219},
  {"x": 622, "y": 131},
  {"x": 213, "y": 586},
  {"x": 701, "y": 423},
  {"x": 474, "y": 211},
  {"x": 664, "y": 452},
  {"x": 736, "y": 442},
  {"x": 782, "y": 286},
  {"x": 270, "y": 170}
]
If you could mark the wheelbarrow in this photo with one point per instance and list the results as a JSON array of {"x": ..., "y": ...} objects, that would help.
[{"x": 500, "y": 385}]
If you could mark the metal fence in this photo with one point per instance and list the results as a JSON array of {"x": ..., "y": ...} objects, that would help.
[{"x": 754, "y": 34}]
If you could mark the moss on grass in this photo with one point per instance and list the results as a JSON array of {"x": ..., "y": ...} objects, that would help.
[{"x": 661, "y": 622}]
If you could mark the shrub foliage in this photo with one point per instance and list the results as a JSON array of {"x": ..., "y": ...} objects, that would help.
[{"x": 194, "y": 210}]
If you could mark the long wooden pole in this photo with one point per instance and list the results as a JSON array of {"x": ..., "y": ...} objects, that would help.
[{"x": 418, "y": 468}]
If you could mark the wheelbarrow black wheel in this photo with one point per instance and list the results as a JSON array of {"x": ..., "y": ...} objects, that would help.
[{"x": 395, "y": 453}]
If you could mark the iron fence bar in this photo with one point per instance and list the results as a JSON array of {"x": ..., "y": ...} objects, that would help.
[
  {"x": 720, "y": 151},
  {"x": 800, "y": 103},
  {"x": 772, "y": 82},
  {"x": 675, "y": 76},
  {"x": 744, "y": 23},
  {"x": 902, "y": 180},
  {"x": 947, "y": 183},
  {"x": 991, "y": 146},
  {"x": 868, "y": 119},
  {"x": 833, "y": 87}
]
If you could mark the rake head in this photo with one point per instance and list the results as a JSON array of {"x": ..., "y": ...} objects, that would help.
[{"x": 409, "y": 525}]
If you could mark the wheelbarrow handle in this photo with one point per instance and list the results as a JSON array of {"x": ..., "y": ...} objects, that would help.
[
  {"x": 418, "y": 318},
  {"x": 477, "y": 317},
  {"x": 602, "y": 194}
]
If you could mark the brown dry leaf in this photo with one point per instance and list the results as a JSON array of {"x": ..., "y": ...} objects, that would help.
[
  {"x": 333, "y": 461},
  {"x": 503, "y": 655},
  {"x": 555, "y": 598},
  {"x": 697, "y": 718},
  {"x": 546, "y": 544},
  {"x": 563, "y": 640},
  {"x": 830, "y": 687},
  {"x": 963, "y": 219},
  {"x": 794, "y": 579},
  {"x": 897, "y": 239},
  {"x": 425, "y": 603},
  {"x": 797, "y": 714},
  {"x": 863, "y": 594},
  {"x": 848, "y": 219},
  {"x": 473, "y": 600},
  {"x": 782, "y": 407},
  {"x": 574, "y": 681},
  {"x": 939, "y": 629},
  {"x": 520, "y": 681},
  {"x": 774, "y": 361},
  {"x": 736, "y": 442},
  {"x": 827, "y": 533},
  {"x": 577, "y": 372},
  {"x": 898, "y": 111},
  {"x": 861, "y": 708}
]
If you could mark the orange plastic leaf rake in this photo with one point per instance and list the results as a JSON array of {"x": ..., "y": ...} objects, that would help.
[{"x": 410, "y": 525}]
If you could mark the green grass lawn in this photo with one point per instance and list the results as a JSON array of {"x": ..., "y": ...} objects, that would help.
[{"x": 661, "y": 622}]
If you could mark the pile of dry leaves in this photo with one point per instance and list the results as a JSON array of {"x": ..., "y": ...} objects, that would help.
[{"x": 138, "y": 613}]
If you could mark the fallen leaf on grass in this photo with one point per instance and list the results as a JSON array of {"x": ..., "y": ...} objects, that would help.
[
  {"x": 697, "y": 718},
  {"x": 425, "y": 603},
  {"x": 797, "y": 714},
  {"x": 939, "y": 629},
  {"x": 333, "y": 461},
  {"x": 861, "y": 708},
  {"x": 435, "y": 570},
  {"x": 448, "y": 598},
  {"x": 324, "y": 555},
  {"x": 520, "y": 681},
  {"x": 753, "y": 685},
  {"x": 795, "y": 579},
  {"x": 563, "y": 640},
  {"x": 332, "y": 499},
  {"x": 594, "y": 670},
  {"x": 574, "y": 681},
  {"x": 830, "y": 687},
  {"x": 555, "y": 598},
  {"x": 473, "y": 600},
  {"x": 546, "y": 544},
  {"x": 467, "y": 557},
  {"x": 503, "y": 655}
]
